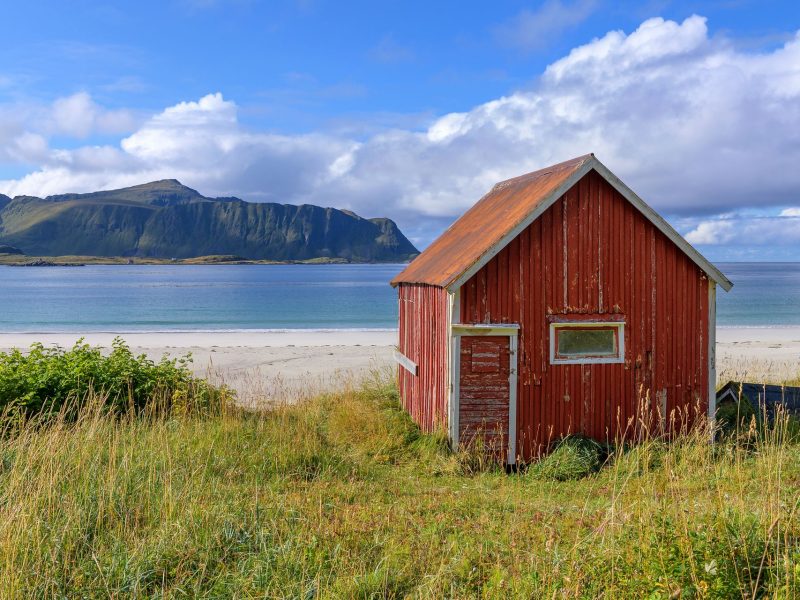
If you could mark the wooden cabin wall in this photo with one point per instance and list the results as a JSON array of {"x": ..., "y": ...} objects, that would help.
[
  {"x": 592, "y": 252},
  {"x": 423, "y": 337}
]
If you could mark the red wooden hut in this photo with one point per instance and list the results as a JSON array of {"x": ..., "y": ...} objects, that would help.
[{"x": 559, "y": 304}]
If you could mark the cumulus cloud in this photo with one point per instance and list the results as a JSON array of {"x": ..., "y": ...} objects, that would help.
[
  {"x": 27, "y": 147},
  {"x": 25, "y": 129},
  {"x": 693, "y": 124},
  {"x": 202, "y": 144},
  {"x": 750, "y": 231},
  {"x": 79, "y": 116}
]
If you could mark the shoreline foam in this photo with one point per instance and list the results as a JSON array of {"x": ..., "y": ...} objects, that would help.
[{"x": 124, "y": 332}]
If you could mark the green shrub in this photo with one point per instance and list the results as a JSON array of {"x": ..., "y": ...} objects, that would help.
[
  {"x": 53, "y": 379},
  {"x": 573, "y": 457},
  {"x": 736, "y": 415}
]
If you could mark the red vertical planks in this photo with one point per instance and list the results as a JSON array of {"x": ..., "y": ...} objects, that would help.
[
  {"x": 423, "y": 339},
  {"x": 591, "y": 253},
  {"x": 594, "y": 253}
]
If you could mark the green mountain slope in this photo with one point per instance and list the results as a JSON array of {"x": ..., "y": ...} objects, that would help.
[{"x": 166, "y": 219}]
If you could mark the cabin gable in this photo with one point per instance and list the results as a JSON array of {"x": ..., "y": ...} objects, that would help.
[
  {"x": 606, "y": 316},
  {"x": 593, "y": 255}
]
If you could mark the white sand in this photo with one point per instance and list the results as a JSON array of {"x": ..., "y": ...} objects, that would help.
[
  {"x": 260, "y": 366},
  {"x": 758, "y": 352},
  {"x": 266, "y": 366}
]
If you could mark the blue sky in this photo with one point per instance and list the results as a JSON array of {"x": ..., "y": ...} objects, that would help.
[{"x": 413, "y": 109}]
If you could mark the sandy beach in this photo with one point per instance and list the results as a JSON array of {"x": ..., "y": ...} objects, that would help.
[
  {"x": 274, "y": 365},
  {"x": 260, "y": 366},
  {"x": 758, "y": 352}
]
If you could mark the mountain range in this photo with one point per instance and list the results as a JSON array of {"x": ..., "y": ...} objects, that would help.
[{"x": 166, "y": 219}]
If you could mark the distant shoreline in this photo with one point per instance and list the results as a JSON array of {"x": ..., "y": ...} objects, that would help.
[{"x": 21, "y": 260}]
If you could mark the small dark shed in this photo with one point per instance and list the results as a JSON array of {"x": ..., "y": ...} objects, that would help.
[
  {"x": 762, "y": 398},
  {"x": 554, "y": 306}
]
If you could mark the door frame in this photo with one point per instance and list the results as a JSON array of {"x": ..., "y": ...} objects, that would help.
[{"x": 511, "y": 330}]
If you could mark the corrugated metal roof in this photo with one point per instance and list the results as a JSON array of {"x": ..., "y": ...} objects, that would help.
[
  {"x": 510, "y": 206},
  {"x": 482, "y": 226}
]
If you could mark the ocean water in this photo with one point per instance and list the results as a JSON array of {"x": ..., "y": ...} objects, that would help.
[
  {"x": 763, "y": 295},
  {"x": 122, "y": 298},
  {"x": 128, "y": 298}
]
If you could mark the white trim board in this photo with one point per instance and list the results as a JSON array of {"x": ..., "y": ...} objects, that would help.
[
  {"x": 592, "y": 163},
  {"x": 405, "y": 362},
  {"x": 511, "y": 451},
  {"x": 712, "y": 353},
  {"x": 728, "y": 394},
  {"x": 453, "y": 348}
]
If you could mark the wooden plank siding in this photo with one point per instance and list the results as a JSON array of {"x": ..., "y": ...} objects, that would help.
[
  {"x": 594, "y": 253},
  {"x": 423, "y": 339},
  {"x": 484, "y": 390}
]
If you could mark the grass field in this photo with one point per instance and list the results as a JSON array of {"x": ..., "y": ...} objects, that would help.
[{"x": 342, "y": 497}]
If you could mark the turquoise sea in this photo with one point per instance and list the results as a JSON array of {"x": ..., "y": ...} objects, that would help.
[{"x": 122, "y": 298}]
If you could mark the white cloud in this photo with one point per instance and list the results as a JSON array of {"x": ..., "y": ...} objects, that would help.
[
  {"x": 713, "y": 232},
  {"x": 26, "y": 127},
  {"x": 532, "y": 29},
  {"x": 79, "y": 116},
  {"x": 206, "y": 126},
  {"x": 694, "y": 125},
  {"x": 748, "y": 231},
  {"x": 202, "y": 144},
  {"x": 27, "y": 147}
]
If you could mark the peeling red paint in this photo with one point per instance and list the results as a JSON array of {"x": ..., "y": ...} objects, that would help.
[
  {"x": 484, "y": 391},
  {"x": 595, "y": 254},
  {"x": 592, "y": 255},
  {"x": 423, "y": 339}
]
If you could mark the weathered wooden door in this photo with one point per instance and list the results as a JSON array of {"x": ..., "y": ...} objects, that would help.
[{"x": 484, "y": 393}]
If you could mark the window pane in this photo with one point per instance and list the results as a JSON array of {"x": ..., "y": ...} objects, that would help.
[{"x": 573, "y": 341}]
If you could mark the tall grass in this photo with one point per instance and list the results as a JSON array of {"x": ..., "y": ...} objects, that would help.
[{"x": 342, "y": 497}]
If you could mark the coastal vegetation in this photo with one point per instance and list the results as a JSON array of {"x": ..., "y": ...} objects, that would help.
[
  {"x": 341, "y": 495},
  {"x": 51, "y": 382}
]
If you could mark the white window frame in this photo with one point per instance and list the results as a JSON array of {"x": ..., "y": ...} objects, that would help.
[{"x": 588, "y": 360}]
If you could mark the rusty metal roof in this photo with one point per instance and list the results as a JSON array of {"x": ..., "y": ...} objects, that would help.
[
  {"x": 491, "y": 219},
  {"x": 506, "y": 210}
]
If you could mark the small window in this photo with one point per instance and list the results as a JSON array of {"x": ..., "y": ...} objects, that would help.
[{"x": 579, "y": 342}]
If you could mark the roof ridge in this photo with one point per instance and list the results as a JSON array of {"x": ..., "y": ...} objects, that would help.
[{"x": 567, "y": 164}]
